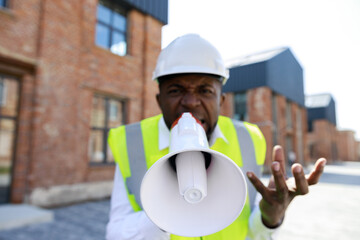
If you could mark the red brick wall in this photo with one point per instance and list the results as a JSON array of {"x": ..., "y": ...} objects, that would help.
[
  {"x": 323, "y": 141},
  {"x": 58, "y": 38},
  {"x": 227, "y": 108},
  {"x": 327, "y": 141},
  {"x": 307, "y": 159},
  {"x": 20, "y": 25},
  {"x": 347, "y": 146},
  {"x": 260, "y": 111}
]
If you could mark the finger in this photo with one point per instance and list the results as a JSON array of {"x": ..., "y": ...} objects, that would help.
[
  {"x": 302, "y": 186},
  {"x": 278, "y": 156},
  {"x": 316, "y": 173},
  {"x": 279, "y": 179},
  {"x": 258, "y": 185}
]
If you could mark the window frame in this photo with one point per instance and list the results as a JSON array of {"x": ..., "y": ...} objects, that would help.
[
  {"x": 288, "y": 115},
  {"x": 121, "y": 10},
  {"x": 274, "y": 118},
  {"x": 5, "y": 196},
  {"x": 3, "y": 92},
  {"x": 105, "y": 129},
  {"x": 242, "y": 115}
]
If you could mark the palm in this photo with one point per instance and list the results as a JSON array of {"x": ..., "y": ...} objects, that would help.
[{"x": 281, "y": 190}]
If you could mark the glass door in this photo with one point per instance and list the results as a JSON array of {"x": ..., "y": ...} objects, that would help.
[{"x": 9, "y": 100}]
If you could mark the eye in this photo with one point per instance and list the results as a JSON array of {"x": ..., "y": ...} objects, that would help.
[
  {"x": 174, "y": 91},
  {"x": 207, "y": 91}
]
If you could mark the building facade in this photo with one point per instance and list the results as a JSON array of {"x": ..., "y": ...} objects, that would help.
[
  {"x": 323, "y": 138},
  {"x": 69, "y": 71},
  {"x": 267, "y": 89},
  {"x": 348, "y": 146}
]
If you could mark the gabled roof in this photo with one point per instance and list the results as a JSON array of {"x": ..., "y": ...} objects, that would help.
[
  {"x": 155, "y": 8},
  {"x": 320, "y": 106},
  {"x": 318, "y": 100},
  {"x": 277, "y": 69},
  {"x": 254, "y": 58}
]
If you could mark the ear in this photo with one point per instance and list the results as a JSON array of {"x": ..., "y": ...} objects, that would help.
[
  {"x": 158, "y": 99},
  {"x": 222, "y": 98}
]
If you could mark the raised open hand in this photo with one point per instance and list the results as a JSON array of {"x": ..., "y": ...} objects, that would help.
[{"x": 281, "y": 190}]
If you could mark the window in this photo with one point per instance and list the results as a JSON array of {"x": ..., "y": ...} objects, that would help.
[
  {"x": 288, "y": 115},
  {"x": 240, "y": 112},
  {"x": 106, "y": 113},
  {"x": 2, "y": 92},
  {"x": 3, "y": 3},
  {"x": 9, "y": 101},
  {"x": 274, "y": 107},
  {"x": 111, "y": 27}
]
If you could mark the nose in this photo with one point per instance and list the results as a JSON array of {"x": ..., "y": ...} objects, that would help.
[{"x": 190, "y": 100}]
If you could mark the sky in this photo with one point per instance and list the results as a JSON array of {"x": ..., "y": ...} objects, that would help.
[{"x": 323, "y": 35}]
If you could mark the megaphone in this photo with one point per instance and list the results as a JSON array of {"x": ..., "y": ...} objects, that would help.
[{"x": 192, "y": 191}]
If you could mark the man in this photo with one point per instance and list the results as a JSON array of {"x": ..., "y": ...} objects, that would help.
[{"x": 190, "y": 73}]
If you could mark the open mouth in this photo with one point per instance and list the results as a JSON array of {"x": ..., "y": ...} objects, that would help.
[{"x": 203, "y": 124}]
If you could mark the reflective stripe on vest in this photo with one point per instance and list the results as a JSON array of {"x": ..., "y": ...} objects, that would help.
[
  {"x": 247, "y": 144},
  {"x": 137, "y": 161}
]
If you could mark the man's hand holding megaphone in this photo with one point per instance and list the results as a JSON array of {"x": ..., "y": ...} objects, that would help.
[{"x": 279, "y": 193}]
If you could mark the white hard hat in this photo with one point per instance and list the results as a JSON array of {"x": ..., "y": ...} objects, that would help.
[{"x": 190, "y": 54}]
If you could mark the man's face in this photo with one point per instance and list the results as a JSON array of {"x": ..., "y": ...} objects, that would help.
[{"x": 196, "y": 93}]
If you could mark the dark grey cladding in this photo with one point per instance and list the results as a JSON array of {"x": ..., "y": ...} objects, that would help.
[
  {"x": 155, "y": 8},
  {"x": 277, "y": 69}
]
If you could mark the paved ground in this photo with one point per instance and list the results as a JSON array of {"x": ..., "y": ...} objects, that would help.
[
  {"x": 85, "y": 221},
  {"x": 330, "y": 211}
]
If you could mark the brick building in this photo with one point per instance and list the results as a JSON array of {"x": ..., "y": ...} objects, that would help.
[
  {"x": 70, "y": 70},
  {"x": 323, "y": 138},
  {"x": 267, "y": 89},
  {"x": 348, "y": 146}
]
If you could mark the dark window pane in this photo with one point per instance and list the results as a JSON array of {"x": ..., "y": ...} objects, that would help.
[
  {"x": 2, "y": 93},
  {"x": 103, "y": 14},
  {"x": 8, "y": 97},
  {"x": 7, "y": 136},
  {"x": 3, "y": 3},
  {"x": 110, "y": 157},
  {"x": 96, "y": 153},
  {"x": 98, "y": 113},
  {"x": 111, "y": 27},
  {"x": 119, "y": 22},
  {"x": 115, "y": 113},
  {"x": 288, "y": 115},
  {"x": 102, "y": 35},
  {"x": 240, "y": 107},
  {"x": 118, "y": 45},
  {"x": 106, "y": 113}
]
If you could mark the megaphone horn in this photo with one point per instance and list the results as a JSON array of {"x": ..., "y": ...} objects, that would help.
[{"x": 192, "y": 191}]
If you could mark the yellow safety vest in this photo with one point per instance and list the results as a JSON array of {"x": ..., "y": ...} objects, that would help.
[{"x": 135, "y": 149}]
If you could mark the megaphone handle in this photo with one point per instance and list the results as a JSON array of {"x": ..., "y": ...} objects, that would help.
[{"x": 191, "y": 176}]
